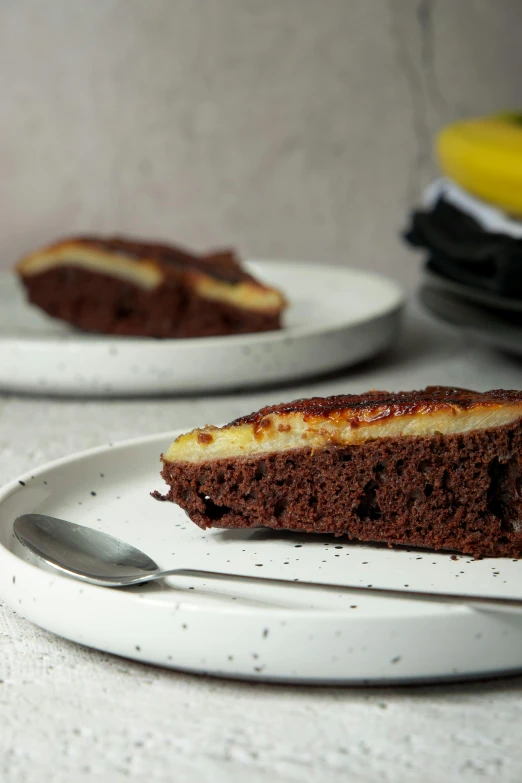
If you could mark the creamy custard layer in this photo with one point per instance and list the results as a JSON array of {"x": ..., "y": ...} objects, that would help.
[
  {"x": 246, "y": 295},
  {"x": 276, "y": 432},
  {"x": 142, "y": 273}
]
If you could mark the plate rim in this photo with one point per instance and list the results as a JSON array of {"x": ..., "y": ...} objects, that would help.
[
  {"x": 473, "y": 295},
  {"x": 492, "y": 327}
]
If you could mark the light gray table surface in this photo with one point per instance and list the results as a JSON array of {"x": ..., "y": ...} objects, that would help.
[{"x": 69, "y": 714}]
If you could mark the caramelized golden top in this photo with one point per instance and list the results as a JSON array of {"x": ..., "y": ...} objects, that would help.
[
  {"x": 350, "y": 419},
  {"x": 377, "y": 405},
  {"x": 221, "y": 264}
]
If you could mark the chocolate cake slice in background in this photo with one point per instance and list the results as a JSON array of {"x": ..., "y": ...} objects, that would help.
[
  {"x": 118, "y": 286},
  {"x": 439, "y": 468}
]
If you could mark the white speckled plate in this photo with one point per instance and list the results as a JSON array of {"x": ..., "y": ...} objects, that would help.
[
  {"x": 483, "y": 298},
  {"x": 337, "y": 317},
  {"x": 486, "y": 326},
  {"x": 250, "y": 629}
]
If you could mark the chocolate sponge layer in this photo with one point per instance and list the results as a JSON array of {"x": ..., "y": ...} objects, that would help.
[
  {"x": 457, "y": 492},
  {"x": 96, "y": 302}
]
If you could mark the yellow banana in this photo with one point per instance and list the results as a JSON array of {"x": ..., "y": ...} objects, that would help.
[{"x": 484, "y": 156}]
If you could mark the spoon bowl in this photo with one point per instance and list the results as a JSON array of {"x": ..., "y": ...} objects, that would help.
[{"x": 83, "y": 552}]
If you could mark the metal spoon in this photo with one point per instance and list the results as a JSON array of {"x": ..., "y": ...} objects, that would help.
[{"x": 101, "y": 559}]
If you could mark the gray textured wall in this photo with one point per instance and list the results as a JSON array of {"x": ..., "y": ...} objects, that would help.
[{"x": 290, "y": 128}]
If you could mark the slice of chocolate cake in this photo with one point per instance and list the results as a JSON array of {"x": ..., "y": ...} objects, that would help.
[
  {"x": 118, "y": 286},
  {"x": 439, "y": 468}
]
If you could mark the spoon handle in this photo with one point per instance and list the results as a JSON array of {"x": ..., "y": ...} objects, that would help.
[{"x": 477, "y": 601}]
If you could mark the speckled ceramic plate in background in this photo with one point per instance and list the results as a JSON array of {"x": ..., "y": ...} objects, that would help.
[
  {"x": 485, "y": 325},
  {"x": 471, "y": 293},
  {"x": 337, "y": 317},
  {"x": 251, "y": 629}
]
